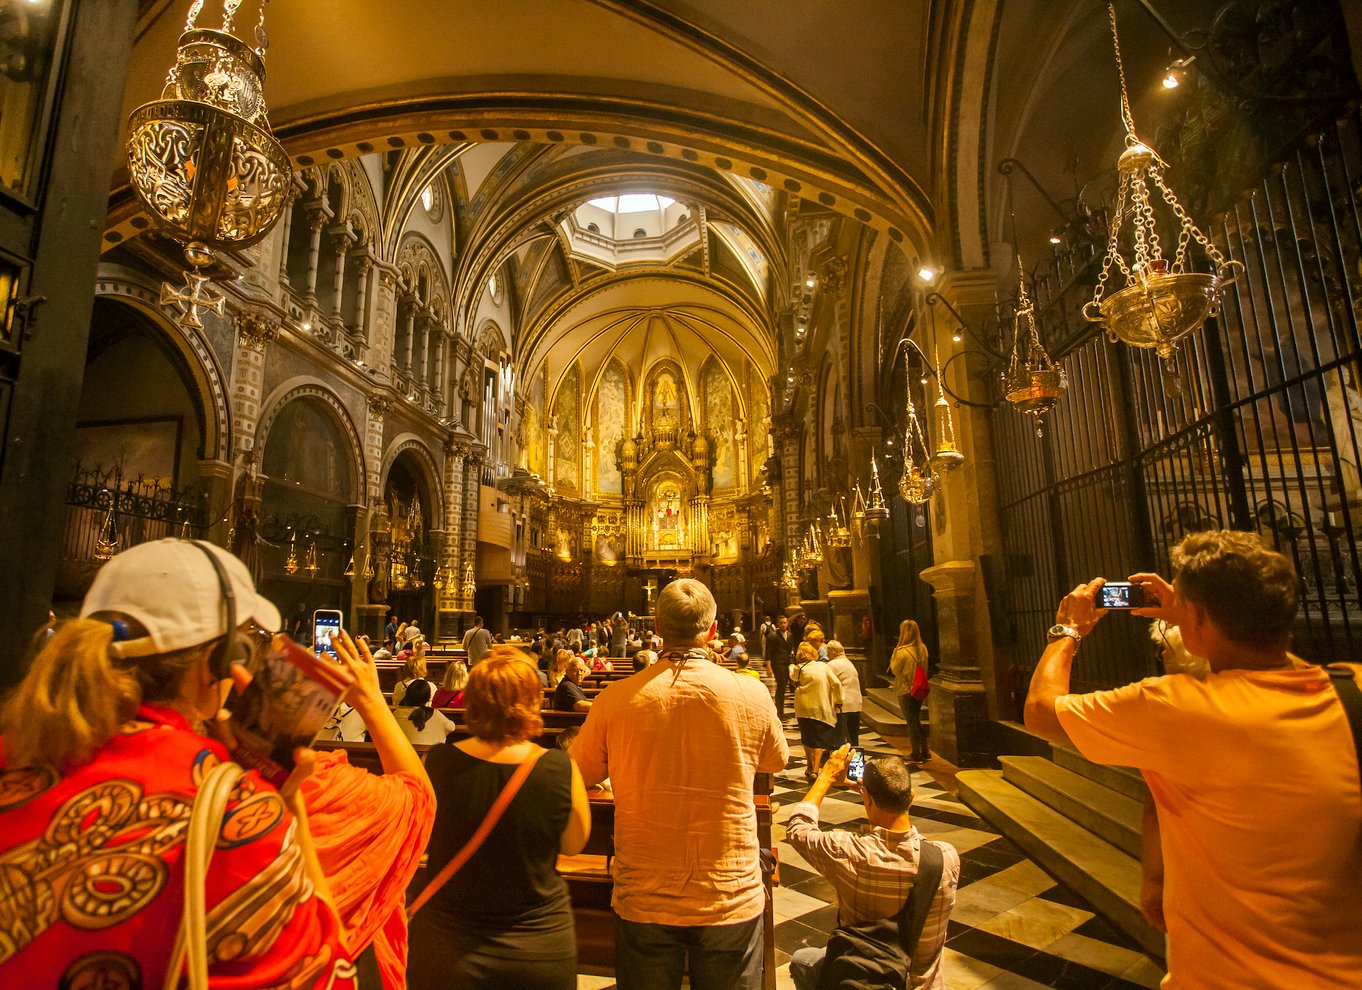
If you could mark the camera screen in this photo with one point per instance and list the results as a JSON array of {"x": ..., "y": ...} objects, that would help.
[
  {"x": 324, "y": 627},
  {"x": 856, "y": 764},
  {"x": 1121, "y": 594}
]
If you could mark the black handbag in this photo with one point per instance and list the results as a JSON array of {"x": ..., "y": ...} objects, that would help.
[{"x": 876, "y": 955}]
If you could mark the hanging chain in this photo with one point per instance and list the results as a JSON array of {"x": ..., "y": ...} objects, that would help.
[
  {"x": 1188, "y": 227},
  {"x": 195, "y": 9},
  {"x": 229, "y": 9},
  {"x": 1126, "y": 117}
]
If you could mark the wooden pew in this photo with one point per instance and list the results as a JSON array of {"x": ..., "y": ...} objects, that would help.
[{"x": 588, "y": 874}]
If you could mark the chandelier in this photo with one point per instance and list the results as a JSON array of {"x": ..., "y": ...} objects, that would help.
[
  {"x": 202, "y": 160},
  {"x": 1032, "y": 382},
  {"x": 1162, "y": 301}
]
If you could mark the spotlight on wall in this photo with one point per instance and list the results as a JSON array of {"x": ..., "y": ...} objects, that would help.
[
  {"x": 306, "y": 326},
  {"x": 1056, "y": 239},
  {"x": 810, "y": 282},
  {"x": 957, "y": 336},
  {"x": 927, "y": 274},
  {"x": 1172, "y": 76}
]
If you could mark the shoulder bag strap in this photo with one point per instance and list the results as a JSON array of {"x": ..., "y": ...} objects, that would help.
[
  {"x": 494, "y": 814},
  {"x": 913, "y": 916},
  {"x": 205, "y": 824},
  {"x": 1351, "y": 696}
]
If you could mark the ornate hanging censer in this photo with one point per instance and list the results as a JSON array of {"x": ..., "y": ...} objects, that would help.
[
  {"x": 350, "y": 567},
  {"x": 1032, "y": 383},
  {"x": 838, "y": 534},
  {"x": 788, "y": 580},
  {"x": 202, "y": 160},
  {"x": 813, "y": 547},
  {"x": 368, "y": 566},
  {"x": 947, "y": 456},
  {"x": 107, "y": 543},
  {"x": 1162, "y": 301},
  {"x": 918, "y": 483},
  {"x": 312, "y": 558},
  {"x": 469, "y": 583},
  {"x": 438, "y": 581},
  {"x": 291, "y": 562}
]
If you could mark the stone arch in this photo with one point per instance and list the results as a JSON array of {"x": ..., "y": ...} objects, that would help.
[
  {"x": 418, "y": 259},
  {"x": 491, "y": 341},
  {"x": 421, "y": 453},
  {"x": 305, "y": 386},
  {"x": 193, "y": 347}
]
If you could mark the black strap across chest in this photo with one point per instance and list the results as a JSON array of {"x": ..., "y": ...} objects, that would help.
[{"x": 1345, "y": 684}]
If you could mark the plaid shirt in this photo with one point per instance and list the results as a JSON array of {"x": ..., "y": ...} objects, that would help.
[{"x": 873, "y": 871}]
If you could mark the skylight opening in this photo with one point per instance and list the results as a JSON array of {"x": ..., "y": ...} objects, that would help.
[{"x": 632, "y": 203}]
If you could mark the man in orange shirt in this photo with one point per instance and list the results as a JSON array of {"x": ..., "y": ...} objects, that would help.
[
  {"x": 1254, "y": 771},
  {"x": 681, "y": 742}
]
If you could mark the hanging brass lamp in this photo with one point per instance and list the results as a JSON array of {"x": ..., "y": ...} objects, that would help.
[
  {"x": 1161, "y": 302},
  {"x": 918, "y": 483},
  {"x": 291, "y": 562},
  {"x": 1032, "y": 382},
  {"x": 947, "y": 456},
  {"x": 202, "y": 160}
]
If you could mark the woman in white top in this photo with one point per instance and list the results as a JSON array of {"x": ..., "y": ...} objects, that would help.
[
  {"x": 818, "y": 694},
  {"x": 413, "y": 670},
  {"x": 419, "y": 722},
  {"x": 849, "y": 718}
]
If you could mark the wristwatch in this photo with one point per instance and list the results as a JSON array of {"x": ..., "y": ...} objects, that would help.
[{"x": 1058, "y": 632}]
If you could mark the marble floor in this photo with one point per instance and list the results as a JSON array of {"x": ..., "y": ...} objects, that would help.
[{"x": 1013, "y": 928}]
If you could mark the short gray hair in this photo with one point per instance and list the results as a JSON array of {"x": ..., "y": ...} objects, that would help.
[{"x": 685, "y": 611}]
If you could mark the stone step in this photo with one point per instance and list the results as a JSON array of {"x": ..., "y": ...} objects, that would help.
[
  {"x": 1111, "y": 815},
  {"x": 882, "y": 715},
  {"x": 1123, "y": 780},
  {"x": 1102, "y": 874}
]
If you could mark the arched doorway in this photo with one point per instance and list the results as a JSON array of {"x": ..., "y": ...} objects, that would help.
[
  {"x": 140, "y": 434},
  {"x": 307, "y": 518},
  {"x": 412, "y": 560}
]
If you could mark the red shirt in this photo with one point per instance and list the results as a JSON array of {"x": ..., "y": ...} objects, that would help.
[{"x": 93, "y": 877}]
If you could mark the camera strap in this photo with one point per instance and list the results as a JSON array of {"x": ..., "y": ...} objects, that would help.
[{"x": 1345, "y": 684}]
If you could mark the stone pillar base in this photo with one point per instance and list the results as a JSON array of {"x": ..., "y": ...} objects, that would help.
[
  {"x": 849, "y": 608},
  {"x": 368, "y": 621},
  {"x": 449, "y": 623},
  {"x": 959, "y": 721}
]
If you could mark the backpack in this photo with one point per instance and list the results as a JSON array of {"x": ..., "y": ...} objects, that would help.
[{"x": 875, "y": 955}]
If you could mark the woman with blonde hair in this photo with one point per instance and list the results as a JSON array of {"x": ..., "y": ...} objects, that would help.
[
  {"x": 452, "y": 684},
  {"x": 558, "y": 666},
  {"x": 504, "y": 919},
  {"x": 103, "y": 759},
  {"x": 910, "y": 657},
  {"x": 818, "y": 695},
  {"x": 414, "y": 669}
]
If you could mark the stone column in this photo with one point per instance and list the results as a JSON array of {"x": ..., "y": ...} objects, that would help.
[
  {"x": 451, "y": 552},
  {"x": 437, "y": 377},
  {"x": 286, "y": 233},
  {"x": 411, "y": 337},
  {"x": 364, "y": 266},
  {"x": 340, "y": 241},
  {"x": 968, "y": 689},
  {"x": 471, "y": 501},
  {"x": 316, "y": 218},
  {"x": 421, "y": 369},
  {"x": 373, "y": 445},
  {"x": 787, "y": 438},
  {"x": 254, "y": 334}
]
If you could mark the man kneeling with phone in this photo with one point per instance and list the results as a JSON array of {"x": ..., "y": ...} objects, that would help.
[{"x": 874, "y": 871}]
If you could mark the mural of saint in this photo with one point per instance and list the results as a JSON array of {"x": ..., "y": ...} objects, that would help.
[{"x": 610, "y": 418}]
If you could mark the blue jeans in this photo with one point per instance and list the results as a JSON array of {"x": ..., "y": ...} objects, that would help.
[
  {"x": 805, "y": 966},
  {"x": 720, "y": 957}
]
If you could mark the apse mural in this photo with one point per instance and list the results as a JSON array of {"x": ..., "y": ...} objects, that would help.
[
  {"x": 665, "y": 399},
  {"x": 567, "y": 446},
  {"x": 719, "y": 419},
  {"x": 611, "y": 411}
]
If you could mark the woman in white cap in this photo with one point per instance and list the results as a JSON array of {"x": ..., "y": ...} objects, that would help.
[{"x": 102, "y": 758}]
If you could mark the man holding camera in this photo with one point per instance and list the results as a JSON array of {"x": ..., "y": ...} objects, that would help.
[
  {"x": 1254, "y": 770},
  {"x": 873, "y": 871}
]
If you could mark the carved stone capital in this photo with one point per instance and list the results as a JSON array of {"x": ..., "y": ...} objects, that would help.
[
  {"x": 458, "y": 448},
  {"x": 255, "y": 331},
  {"x": 835, "y": 274},
  {"x": 379, "y": 404}
]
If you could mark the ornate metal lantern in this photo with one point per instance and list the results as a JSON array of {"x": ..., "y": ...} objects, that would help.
[
  {"x": 1032, "y": 382},
  {"x": 202, "y": 160},
  {"x": 947, "y": 456},
  {"x": 918, "y": 483},
  {"x": 291, "y": 562},
  {"x": 1162, "y": 301}
]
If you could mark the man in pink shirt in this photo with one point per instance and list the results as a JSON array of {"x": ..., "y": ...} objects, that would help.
[{"x": 681, "y": 742}]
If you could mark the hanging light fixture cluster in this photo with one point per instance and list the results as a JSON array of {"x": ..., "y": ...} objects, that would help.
[
  {"x": 202, "y": 160},
  {"x": 1032, "y": 381},
  {"x": 1161, "y": 302}
]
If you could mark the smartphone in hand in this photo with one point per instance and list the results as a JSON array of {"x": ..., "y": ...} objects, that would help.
[
  {"x": 326, "y": 625},
  {"x": 856, "y": 764},
  {"x": 1121, "y": 594}
]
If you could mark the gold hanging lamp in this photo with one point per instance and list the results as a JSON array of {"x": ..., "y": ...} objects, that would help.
[
  {"x": 202, "y": 160},
  {"x": 1032, "y": 382},
  {"x": 312, "y": 558},
  {"x": 918, "y": 483},
  {"x": 291, "y": 562},
  {"x": 1162, "y": 302},
  {"x": 107, "y": 543},
  {"x": 947, "y": 456}
]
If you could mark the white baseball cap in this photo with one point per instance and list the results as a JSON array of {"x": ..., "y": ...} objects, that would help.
[{"x": 172, "y": 589}]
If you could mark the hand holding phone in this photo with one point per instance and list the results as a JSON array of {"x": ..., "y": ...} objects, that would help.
[
  {"x": 856, "y": 765},
  {"x": 326, "y": 626}
]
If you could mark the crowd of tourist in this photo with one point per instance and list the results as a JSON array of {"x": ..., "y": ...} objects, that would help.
[{"x": 115, "y": 736}]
